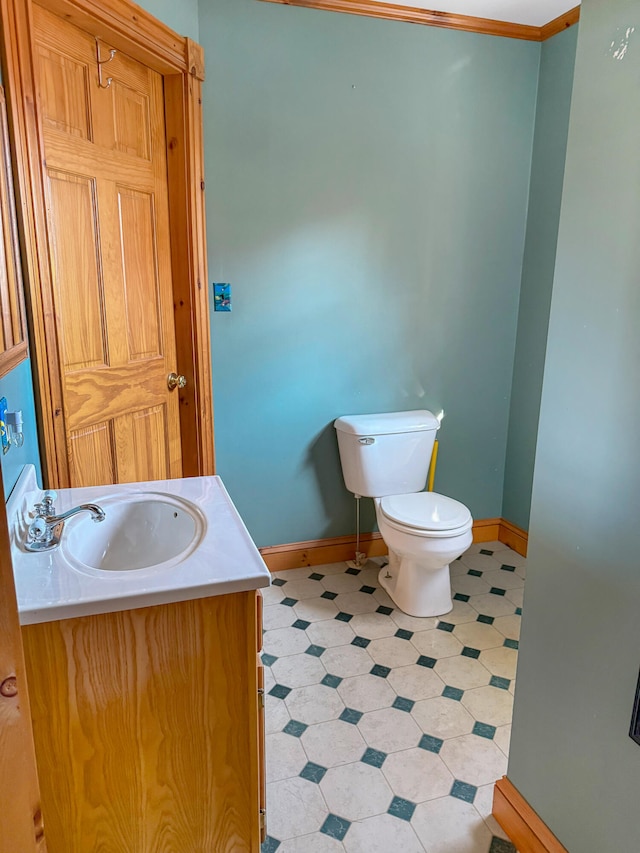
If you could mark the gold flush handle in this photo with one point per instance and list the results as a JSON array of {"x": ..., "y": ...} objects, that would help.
[{"x": 175, "y": 381}]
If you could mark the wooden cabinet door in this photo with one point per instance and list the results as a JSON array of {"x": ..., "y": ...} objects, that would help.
[
  {"x": 21, "y": 827},
  {"x": 105, "y": 176}
]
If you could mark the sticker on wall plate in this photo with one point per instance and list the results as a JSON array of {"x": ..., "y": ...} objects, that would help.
[
  {"x": 3, "y": 425},
  {"x": 222, "y": 297}
]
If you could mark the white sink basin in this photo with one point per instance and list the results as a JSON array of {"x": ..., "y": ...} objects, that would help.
[{"x": 139, "y": 531}]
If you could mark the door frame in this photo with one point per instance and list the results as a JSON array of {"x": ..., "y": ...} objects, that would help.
[{"x": 125, "y": 26}]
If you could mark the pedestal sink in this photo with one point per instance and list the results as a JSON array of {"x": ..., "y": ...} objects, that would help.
[{"x": 139, "y": 531}]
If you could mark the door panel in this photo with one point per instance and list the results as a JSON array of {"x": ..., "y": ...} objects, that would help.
[{"x": 109, "y": 242}]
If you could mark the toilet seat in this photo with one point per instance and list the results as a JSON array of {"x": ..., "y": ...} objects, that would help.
[{"x": 426, "y": 514}]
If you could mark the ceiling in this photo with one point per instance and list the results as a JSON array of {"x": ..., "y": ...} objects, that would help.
[{"x": 534, "y": 12}]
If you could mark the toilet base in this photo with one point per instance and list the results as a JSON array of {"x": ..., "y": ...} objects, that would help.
[{"x": 414, "y": 589}]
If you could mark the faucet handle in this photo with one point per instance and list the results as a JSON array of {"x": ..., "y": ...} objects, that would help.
[{"x": 50, "y": 496}]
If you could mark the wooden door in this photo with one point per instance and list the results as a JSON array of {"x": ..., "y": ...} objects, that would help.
[
  {"x": 105, "y": 178},
  {"x": 21, "y": 827}
]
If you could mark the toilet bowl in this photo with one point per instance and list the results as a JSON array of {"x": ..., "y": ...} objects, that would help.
[
  {"x": 386, "y": 457},
  {"x": 424, "y": 532}
]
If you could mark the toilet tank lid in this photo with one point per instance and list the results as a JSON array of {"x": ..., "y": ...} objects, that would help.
[{"x": 387, "y": 423}]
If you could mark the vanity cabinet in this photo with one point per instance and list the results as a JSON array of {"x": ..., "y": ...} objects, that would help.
[{"x": 148, "y": 727}]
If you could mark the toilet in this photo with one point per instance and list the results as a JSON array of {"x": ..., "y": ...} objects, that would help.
[{"x": 386, "y": 457}]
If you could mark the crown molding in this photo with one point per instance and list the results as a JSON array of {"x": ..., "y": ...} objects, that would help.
[
  {"x": 562, "y": 22},
  {"x": 429, "y": 18}
]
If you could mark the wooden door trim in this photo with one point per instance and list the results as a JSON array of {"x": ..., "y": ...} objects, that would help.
[{"x": 123, "y": 24}]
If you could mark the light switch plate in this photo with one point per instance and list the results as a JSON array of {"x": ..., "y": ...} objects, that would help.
[{"x": 222, "y": 297}]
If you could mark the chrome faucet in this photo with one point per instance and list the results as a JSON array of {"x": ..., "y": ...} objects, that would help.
[{"x": 45, "y": 530}]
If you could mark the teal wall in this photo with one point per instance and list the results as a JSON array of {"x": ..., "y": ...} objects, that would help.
[
  {"x": 181, "y": 16},
  {"x": 367, "y": 192},
  {"x": 571, "y": 756},
  {"x": 17, "y": 387},
  {"x": 547, "y": 170}
]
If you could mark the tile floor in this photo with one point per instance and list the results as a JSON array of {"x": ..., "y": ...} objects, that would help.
[{"x": 385, "y": 732}]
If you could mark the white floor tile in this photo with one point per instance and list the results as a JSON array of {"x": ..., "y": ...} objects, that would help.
[
  {"x": 473, "y": 759},
  {"x": 382, "y": 834},
  {"x": 415, "y": 682},
  {"x": 489, "y": 705},
  {"x": 356, "y": 791},
  {"x": 298, "y": 670},
  {"x": 373, "y": 626},
  {"x": 315, "y": 609},
  {"x": 294, "y": 807},
  {"x": 314, "y": 704},
  {"x": 389, "y": 730},
  {"x": 285, "y": 756},
  {"x": 316, "y": 843},
  {"x": 501, "y": 661},
  {"x": 367, "y": 692},
  {"x": 442, "y": 718},
  {"x": 463, "y": 672},
  {"x": 330, "y": 632},
  {"x": 285, "y": 641},
  {"x": 392, "y": 652},
  {"x": 333, "y": 743},
  {"x": 417, "y": 775},
  {"x": 346, "y": 661},
  {"x": 449, "y": 825},
  {"x": 436, "y": 644}
]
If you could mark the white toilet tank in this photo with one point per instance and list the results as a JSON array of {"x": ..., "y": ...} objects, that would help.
[{"x": 386, "y": 454}]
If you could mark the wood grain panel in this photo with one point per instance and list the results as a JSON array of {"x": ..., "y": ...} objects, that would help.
[
  {"x": 91, "y": 456},
  {"x": 515, "y": 537},
  {"x": 122, "y": 391},
  {"x": 141, "y": 448},
  {"x": 131, "y": 121},
  {"x": 13, "y": 343},
  {"x": 21, "y": 822},
  {"x": 146, "y": 726},
  {"x": 139, "y": 265},
  {"x": 522, "y": 824},
  {"x": 64, "y": 83},
  {"x": 77, "y": 271}
]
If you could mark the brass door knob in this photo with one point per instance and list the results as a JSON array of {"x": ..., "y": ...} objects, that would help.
[{"x": 175, "y": 381}]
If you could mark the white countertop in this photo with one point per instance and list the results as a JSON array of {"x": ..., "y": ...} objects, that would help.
[{"x": 49, "y": 587}]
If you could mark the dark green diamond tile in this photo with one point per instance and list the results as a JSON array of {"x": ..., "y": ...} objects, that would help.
[
  {"x": 351, "y": 571},
  {"x": 486, "y": 552},
  {"x": 464, "y": 791},
  {"x": 506, "y": 568},
  {"x": 270, "y": 845},
  {"x": 344, "y": 617},
  {"x": 474, "y": 573},
  {"x": 380, "y": 671},
  {"x": 350, "y": 715},
  {"x": 459, "y": 596},
  {"x": 499, "y": 845},
  {"x": 289, "y": 602},
  {"x": 280, "y": 691},
  {"x": 294, "y": 728},
  {"x": 423, "y": 660},
  {"x": 512, "y": 644},
  {"x": 386, "y": 611},
  {"x": 267, "y": 659},
  {"x": 470, "y": 653},
  {"x": 402, "y": 809},
  {"x": 331, "y": 680},
  {"x": 315, "y": 577},
  {"x": 403, "y": 704},
  {"x": 404, "y": 634},
  {"x": 360, "y": 641},
  {"x": 487, "y": 620},
  {"x": 315, "y": 651},
  {"x": 302, "y": 624},
  {"x": 374, "y": 757},
  {"x": 502, "y": 683},
  {"x": 335, "y": 827},
  {"x": 445, "y": 626},
  {"x": 430, "y": 743},
  {"x": 368, "y": 589},
  {"x": 484, "y": 730},
  {"x": 329, "y": 595},
  {"x": 495, "y": 590},
  {"x": 518, "y": 611},
  {"x": 453, "y": 693},
  {"x": 278, "y": 582},
  {"x": 313, "y": 772}
]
